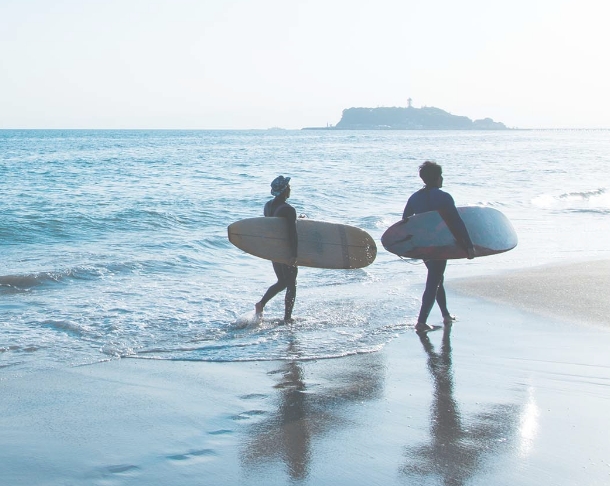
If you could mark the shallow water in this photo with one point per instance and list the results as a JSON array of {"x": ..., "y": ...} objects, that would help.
[{"x": 114, "y": 242}]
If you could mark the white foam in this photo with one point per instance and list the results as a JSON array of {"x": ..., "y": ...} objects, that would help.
[{"x": 248, "y": 320}]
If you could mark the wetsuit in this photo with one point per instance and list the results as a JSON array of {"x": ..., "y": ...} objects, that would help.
[
  {"x": 433, "y": 199},
  {"x": 286, "y": 274}
]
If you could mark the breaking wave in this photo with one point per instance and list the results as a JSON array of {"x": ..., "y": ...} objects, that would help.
[{"x": 591, "y": 201}]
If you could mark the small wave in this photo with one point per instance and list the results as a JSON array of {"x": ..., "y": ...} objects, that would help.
[
  {"x": 589, "y": 211},
  {"x": 585, "y": 195},
  {"x": 373, "y": 223},
  {"x": 384, "y": 223},
  {"x": 186, "y": 355},
  {"x": 18, "y": 349},
  {"x": 13, "y": 347},
  {"x": 168, "y": 219},
  {"x": 118, "y": 350},
  {"x": 147, "y": 219},
  {"x": 27, "y": 282},
  {"x": 65, "y": 326},
  {"x": 592, "y": 201},
  {"x": 22, "y": 283},
  {"x": 215, "y": 242}
]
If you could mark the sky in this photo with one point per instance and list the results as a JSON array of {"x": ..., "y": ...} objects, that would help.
[{"x": 257, "y": 64}]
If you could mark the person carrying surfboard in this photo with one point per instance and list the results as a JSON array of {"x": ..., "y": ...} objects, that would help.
[
  {"x": 286, "y": 274},
  {"x": 431, "y": 198}
]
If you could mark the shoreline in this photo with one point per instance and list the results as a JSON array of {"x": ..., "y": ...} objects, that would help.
[{"x": 505, "y": 395}]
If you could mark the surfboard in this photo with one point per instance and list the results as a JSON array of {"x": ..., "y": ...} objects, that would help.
[
  {"x": 427, "y": 236},
  {"x": 321, "y": 244}
]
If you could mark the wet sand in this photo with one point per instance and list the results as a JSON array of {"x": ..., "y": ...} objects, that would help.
[
  {"x": 572, "y": 291},
  {"x": 506, "y": 396}
]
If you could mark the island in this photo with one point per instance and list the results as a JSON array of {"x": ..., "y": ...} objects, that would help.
[{"x": 409, "y": 118}]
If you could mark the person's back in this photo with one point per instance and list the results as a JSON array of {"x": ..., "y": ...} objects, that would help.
[
  {"x": 431, "y": 198},
  {"x": 427, "y": 199}
]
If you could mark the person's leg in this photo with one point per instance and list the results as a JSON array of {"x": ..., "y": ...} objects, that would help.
[
  {"x": 290, "y": 277},
  {"x": 441, "y": 297},
  {"x": 436, "y": 269},
  {"x": 441, "y": 300},
  {"x": 275, "y": 289}
]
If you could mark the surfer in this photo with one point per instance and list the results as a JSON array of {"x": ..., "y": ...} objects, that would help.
[
  {"x": 431, "y": 198},
  {"x": 286, "y": 274}
]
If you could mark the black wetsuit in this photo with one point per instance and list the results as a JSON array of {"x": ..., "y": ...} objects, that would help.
[
  {"x": 286, "y": 274},
  {"x": 433, "y": 199}
]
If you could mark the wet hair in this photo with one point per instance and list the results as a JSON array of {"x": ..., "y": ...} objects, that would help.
[{"x": 430, "y": 172}]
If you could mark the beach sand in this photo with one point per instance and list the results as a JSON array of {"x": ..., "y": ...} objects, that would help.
[
  {"x": 571, "y": 291},
  {"x": 514, "y": 393}
]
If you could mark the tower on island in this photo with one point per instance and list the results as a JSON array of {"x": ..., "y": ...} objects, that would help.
[{"x": 409, "y": 103}]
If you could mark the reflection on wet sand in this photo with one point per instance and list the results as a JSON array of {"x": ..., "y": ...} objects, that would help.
[
  {"x": 457, "y": 449},
  {"x": 306, "y": 410}
]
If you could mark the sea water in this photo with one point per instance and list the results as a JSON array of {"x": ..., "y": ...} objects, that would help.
[{"x": 114, "y": 243}]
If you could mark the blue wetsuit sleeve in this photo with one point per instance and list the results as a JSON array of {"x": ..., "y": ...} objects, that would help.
[
  {"x": 436, "y": 200},
  {"x": 455, "y": 223},
  {"x": 412, "y": 203}
]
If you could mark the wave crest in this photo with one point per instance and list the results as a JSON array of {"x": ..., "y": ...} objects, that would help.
[
  {"x": 589, "y": 201},
  {"x": 29, "y": 281}
]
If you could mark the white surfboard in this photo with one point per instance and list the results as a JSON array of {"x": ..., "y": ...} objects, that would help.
[
  {"x": 427, "y": 235},
  {"x": 320, "y": 244}
]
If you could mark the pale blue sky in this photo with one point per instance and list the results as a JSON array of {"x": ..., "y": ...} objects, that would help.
[{"x": 264, "y": 63}]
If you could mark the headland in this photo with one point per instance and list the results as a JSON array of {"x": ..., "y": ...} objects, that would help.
[{"x": 409, "y": 118}]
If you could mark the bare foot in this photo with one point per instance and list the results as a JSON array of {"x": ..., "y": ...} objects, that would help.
[
  {"x": 258, "y": 308},
  {"x": 423, "y": 327}
]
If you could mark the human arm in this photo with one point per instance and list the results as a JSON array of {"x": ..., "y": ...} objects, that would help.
[
  {"x": 419, "y": 202},
  {"x": 456, "y": 225},
  {"x": 408, "y": 211}
]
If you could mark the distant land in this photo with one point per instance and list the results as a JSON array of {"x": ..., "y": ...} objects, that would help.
[{"x": 409, "y": 118}]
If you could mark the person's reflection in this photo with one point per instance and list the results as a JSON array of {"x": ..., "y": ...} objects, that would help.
[
  {"x": 455, "y": 451},
  {"x": 294, "y": 439},
  {"x": 445, "y": 415},
  {"x": 286, "y": 433},
  {"x": 445, "y": 421},
  {"x": 304, "y": 413}
]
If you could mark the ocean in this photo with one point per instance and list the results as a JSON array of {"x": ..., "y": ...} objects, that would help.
[{"x": 114, "y": 243}]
